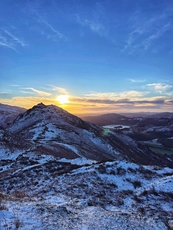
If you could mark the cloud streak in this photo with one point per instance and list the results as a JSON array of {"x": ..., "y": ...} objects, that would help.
[
  {"x": 53, "y": 33},
  {"x": 145, "y": 30},
  {"x": 136, "y": 80},
  {"x": 60, "y": 90},
  {"x": 5, "y": 43},
  {"x": 15, "y": 39},
  {"x": 151, "y": 101},
  {"x": 93, "y": 25},
  {"x": 39, "y": 92},
  {"x": 9, "y": 40}
]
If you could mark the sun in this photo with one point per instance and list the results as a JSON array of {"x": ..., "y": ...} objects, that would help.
[{"x": 62, "y": 99}]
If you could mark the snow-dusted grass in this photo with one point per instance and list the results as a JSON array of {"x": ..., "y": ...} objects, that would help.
[{"x": 51, "y": 193}]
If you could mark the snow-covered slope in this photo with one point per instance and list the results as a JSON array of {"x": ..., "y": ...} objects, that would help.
[
  {"x": 42, "y": 192},
  {"x": 54, "y": 131},
  {"x": 8, "y": 114},
  {"x": 59, "y": 172}
]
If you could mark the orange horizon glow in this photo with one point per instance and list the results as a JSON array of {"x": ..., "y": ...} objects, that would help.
[{"x": 80, "y": 106}]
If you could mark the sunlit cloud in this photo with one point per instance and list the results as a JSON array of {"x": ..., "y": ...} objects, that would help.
[
  {"x": 89, "y": 105},
  {"x": 131, "y": 94},
  {"x": 121, "y": 95},
  {"x": 27, "y": 102},
  {"x": 60, "y": 90},
  {"x": 39, "y": 92},
  {"x": 97, "y": 102},
  {"x": 153, "y": 100},
  {"x": 159, "y": 87}
]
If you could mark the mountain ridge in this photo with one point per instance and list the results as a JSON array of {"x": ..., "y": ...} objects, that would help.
[{"x": 52, "y": 130}]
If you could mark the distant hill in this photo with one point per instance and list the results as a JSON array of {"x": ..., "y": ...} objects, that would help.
[
  {"x": 8, "y": 114},
  {"x": 142, "y": 114},
  {"x": 110, "y": 119},
  {"x": 105, "y": 119},
  {"x": 157, "y": 127}
]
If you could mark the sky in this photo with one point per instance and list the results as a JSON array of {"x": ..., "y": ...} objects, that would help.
[{"x": 106, "y": 56}]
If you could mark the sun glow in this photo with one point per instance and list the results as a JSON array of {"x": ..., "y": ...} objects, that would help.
[{"x": 62, "y": 99}]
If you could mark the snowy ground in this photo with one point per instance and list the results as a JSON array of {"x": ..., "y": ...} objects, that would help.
[{"x": 42, "y": 192}]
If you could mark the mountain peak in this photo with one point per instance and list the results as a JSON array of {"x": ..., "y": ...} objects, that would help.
[{"x": 40, "y": 105}]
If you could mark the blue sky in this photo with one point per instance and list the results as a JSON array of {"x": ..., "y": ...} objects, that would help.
[{"x": 107, "y": 55}]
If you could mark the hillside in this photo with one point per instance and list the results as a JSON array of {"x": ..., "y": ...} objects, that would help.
[
  {"x": 60, "y": 172},
  {"x": 53, "y": 131},
  {"x": 42, "y": 192}
]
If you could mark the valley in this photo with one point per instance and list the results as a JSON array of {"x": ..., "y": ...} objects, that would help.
[{"x": 154, "y": 131}]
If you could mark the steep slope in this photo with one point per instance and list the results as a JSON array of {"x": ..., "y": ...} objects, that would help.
[
  {"x": 8, "y": 114},
  {"x": 54, "y": 131}
]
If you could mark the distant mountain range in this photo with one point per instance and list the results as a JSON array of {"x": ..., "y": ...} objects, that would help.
[
  {"x": 105, "y": 119},
  {"x": 154, "y": 130},
  {"x": 126, "y": 118}
]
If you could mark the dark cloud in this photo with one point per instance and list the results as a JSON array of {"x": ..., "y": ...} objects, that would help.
[{"x": 122, "y": 101}]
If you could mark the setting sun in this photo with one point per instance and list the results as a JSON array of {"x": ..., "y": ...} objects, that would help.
[{"x": 62, "y": 99}]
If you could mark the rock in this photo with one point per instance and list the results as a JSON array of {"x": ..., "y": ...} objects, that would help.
[{"x": 170, "y": 224}]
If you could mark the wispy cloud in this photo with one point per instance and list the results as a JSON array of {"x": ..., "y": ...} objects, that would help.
[
  {"x": 14, "y": 85},
  {"x": 39, "y": 92},
  {"x": 51, "y": 33},
  {"x": 145, "y": 30},
  {"x": 15, "y": 39},
  {"x": 159, "y": 87},
  {"x": 118, "y": 96},
  {"x": 92, "y": 25},
  {"x": 60, "y": 90},
  {"x": 11, "y": 41},
  {"x": 6, "y": 43},
  {"x": 136, "y": 80}
]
